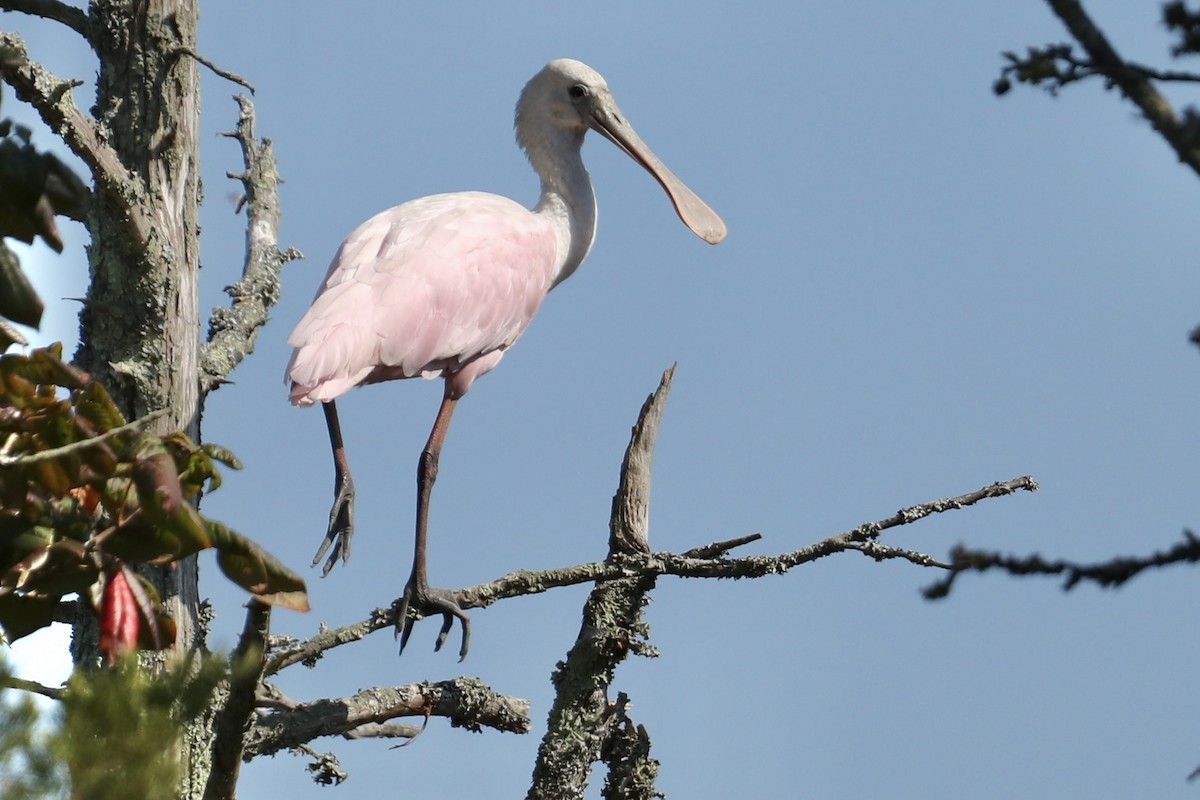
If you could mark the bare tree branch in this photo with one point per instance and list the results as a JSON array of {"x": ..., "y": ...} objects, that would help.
[
  {"x": 629, "y": 523},
  {"x": 233, "y": 77},
  {"x": 51, "y": 97},
  {"x": 233, "y": 330},
  {"x": 234, "y": 718},
  {"x": 582, "y": 721},
  {"x": 74, "y": 18},
  {"x": 1111, "y": 573},
  {"x": 9, "y": 682},
  {"x": 466, "y": 702},
  {"x": 1135, "y": 81},
  {"x": 686, "y": 565}
]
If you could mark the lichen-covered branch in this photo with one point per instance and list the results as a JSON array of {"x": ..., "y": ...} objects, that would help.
[
  {"x": 582, "y": 722},
  {"x": 1108, "y": 574},
  {"x": 706, "y": 561},
  {"x": 232, "y": 330},
  {"x": 466, "y": 702},
  {"x": 632, "y": 772},
  {"x": 51, "y": 97}
]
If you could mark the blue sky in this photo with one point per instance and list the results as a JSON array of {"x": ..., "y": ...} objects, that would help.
[{"x": 925, "y": 289}]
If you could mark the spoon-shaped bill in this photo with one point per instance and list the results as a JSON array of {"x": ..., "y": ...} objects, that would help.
[{"x": 607, "y": 120}]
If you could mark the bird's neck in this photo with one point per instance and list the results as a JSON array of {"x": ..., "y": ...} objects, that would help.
[{"x": 567, "y": 200}]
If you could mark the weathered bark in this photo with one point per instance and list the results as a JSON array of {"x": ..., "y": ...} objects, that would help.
[{"x": 139, "y": 325}]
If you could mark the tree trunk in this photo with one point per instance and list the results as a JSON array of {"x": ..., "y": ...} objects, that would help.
[{"x": 139, "y": 328}]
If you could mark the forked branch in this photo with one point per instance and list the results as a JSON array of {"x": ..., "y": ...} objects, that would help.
[
  {"x": 1055, "y": 66},
  {"x": 233, "y": 330}
]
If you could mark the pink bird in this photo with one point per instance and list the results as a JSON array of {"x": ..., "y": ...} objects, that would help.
[{"x": 443, "y": 285}]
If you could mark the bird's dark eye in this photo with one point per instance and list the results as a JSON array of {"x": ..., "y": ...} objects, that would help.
[{"x": 578, "y": 91}]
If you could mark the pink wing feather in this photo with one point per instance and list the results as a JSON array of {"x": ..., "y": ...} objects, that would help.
[{"x": 439, "y": 285}]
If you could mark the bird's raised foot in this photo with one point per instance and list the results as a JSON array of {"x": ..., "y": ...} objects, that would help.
[
  {"x": 424, "y": 601},
  {"x": 341, "y": 527}
]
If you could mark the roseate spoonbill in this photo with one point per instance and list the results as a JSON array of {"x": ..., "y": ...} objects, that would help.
[{"x": 443, "y": 285}]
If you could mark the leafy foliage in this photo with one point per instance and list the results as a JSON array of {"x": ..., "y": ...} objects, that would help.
[
  {"x": 121, "y": 727},
  {"x": 1185, "y": 24},
  {"x": 34, "y": 187},
  {"x": 83, "y": 494}
]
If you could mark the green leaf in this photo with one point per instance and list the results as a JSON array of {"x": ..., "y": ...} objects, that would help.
[
  {"x": 222, "y": 455},
  {"x": 256, "y": 570},
  {"x": 94, "y": 405},
  {"x": 18, "y": 301},
  {"x": 45, "y": 367}
]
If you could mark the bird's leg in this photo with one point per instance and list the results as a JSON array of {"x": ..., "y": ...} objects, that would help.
[
  {"x": 418, "y": 594},
  {"x": 341, "y": 516}
]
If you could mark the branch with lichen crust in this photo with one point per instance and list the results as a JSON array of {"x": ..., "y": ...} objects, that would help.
[
  {"x": 631, "y": 769},
  {"x": 1108, "y": 574},
  {"x": 466, "y": 702},
  {"x": 232, "y": 330},
  {"x": 702, "y": 562},
  {"x": 582, "y": 724},
  {"x": 51, "y": 97}
]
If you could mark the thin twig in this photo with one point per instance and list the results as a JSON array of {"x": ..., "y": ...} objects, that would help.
[
  {"x": 10, "y": 682},
  {"x": 719, "y": 549},
  {"x": 27, "y": 459},
  {"x": 1108, "y": 574},
  {"x": 226, "y": 74}
]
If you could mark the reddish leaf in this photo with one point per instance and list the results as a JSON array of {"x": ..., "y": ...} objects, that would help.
[
  {"x": 118, "y": 617},
  {"x": 87, "y": 496}
]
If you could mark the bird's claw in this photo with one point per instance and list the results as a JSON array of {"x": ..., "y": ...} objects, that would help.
[
  {"x": 425, "y": 602},
  {"x": 341, "y": 528}
]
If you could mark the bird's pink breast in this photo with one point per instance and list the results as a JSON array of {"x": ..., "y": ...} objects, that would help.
[{"x": 424, "y": 289}]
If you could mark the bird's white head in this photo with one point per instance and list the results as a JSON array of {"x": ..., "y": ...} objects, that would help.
[
  {"x": 564, "y": 100},
  {"x": 550, "y": 99}
]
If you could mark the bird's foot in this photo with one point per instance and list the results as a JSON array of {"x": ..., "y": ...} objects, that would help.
[
  {"x": 420, "y": 601},
  {"x": 341, "y": 527}
]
